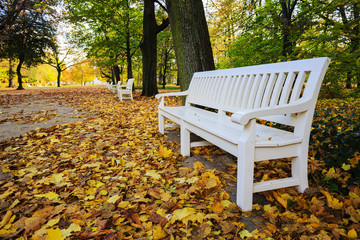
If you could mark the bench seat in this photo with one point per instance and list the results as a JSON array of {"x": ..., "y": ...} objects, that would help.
[{"x": 229, "y": 131}]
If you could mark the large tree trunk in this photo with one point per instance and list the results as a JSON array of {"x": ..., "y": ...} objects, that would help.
[
  {"x": 191, "y": 38},
  {"x": 18, "y": 72},
  {"x": 148, "y": 49},
  {"x": 286, "y": 12}
]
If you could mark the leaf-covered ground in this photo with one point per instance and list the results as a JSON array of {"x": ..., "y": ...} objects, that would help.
[{"x": 113, "y": 176}]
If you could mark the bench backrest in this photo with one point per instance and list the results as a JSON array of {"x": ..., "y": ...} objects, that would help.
[{"x": 236, "y": 89}]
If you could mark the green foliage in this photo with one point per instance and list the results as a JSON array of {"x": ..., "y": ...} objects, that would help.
[
  {"x": 335, "y": 139},
  {"x": 104, "y": 28},
  {"x": 271, "y": 31}
]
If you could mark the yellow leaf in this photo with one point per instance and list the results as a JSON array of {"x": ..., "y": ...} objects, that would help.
[
  {"x": 5, "y": 219},
  {"x": 113, "y": 199},
  {"x": 270, "y": 209},
  {"x": 123, "y": 204},
  {"x": 54, "y": 234},
  {"x": 57, "y": 177},
  {"x": 50, "y": 195},
  {"x": 352, "y": 234},
  {"x": 153, "y": 174},
  {"x": 165, "y": 196},
  {"x": 346, "y": 167},
  {"x": 164, "y": 152},
  {"x": 52, "y": 222},
  {"x": 180, "y": 214},
  {"x": 353, "y": 195},
  {"x": 333, "y": 202},
  {"x": 217, "y": 207},
  {"x": 72, "y": 228},
  {"x": 245, "y": 234},
  {"x": 158, "y": 232},
  {"x": 282, "y": 198},
  {"x": 198, "y": 166},
  {"x": 103, "y": 192}
]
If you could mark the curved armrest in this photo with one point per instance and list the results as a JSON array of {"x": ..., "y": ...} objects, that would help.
[
  {"x": 172, "y": 94},
  {"x": 296, "y": 107}
]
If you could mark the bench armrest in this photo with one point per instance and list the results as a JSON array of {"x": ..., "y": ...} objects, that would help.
[
  {"x": 245, "y": 116},
  {"x": 172, "y": 94}
]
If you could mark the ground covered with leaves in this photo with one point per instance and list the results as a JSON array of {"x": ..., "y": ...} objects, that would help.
[{"x": 113, "y": 176}]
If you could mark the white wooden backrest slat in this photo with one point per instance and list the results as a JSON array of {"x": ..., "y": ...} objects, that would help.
[
  {"x": 246, "y": 93},
  {"x": 269, "y": 90},
  {"x": 234, "y": 84},
  {"x": 219, "y": 89},
  {"x": 240, "y": 92},
  {"x": 228, "y": 84},
  {"x": 286, "y": 90},
  {"x": 274, "y": 100},
  {"x": 298, "y": 86},
  {"x": 213, "y": 88},
  {"x": 262, "y": 86},
  {"x": 254, "y": 91}
]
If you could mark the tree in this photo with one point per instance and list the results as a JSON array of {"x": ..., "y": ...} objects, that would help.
[
  {"x": 55, "y": 60},
  {"x": 148, "y": 47},
  {"x": 28, "y": 29},
  {"x": 109, "y": 31},
  {"x": 191, "y": 38}
]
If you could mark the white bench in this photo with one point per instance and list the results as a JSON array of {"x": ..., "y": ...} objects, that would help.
[
  {"x": 112, "y": 86},
  {"x": 223, "y": 106},
  {"x": 125, "y": 91}
]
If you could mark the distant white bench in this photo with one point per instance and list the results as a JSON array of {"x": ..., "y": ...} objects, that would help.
[
  {"x": 223, "y": 106},
  {"x": 112, "y": 86},
  {"x": 125, "y": 91}
]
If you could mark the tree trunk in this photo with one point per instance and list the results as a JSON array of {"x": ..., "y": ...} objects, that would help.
[
  {"x": 116, "y": 71},
  {"x": 58, "y": 76},
  {"x": 18, "y": 72},
  {"x": 149, "y": 50},
  {"x": 11, "y": 73},
  {"x": 191, "y": 38},
  {"x": 287, "y": 10},
  {"x": 167, "y": 52},
  {"x": 128, "y": 56}
]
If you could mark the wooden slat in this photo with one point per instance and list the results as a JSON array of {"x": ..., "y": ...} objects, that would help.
[
  {"x": 285, "y": 93},
  {"x": 269, "y": 89},
  {"x": 260, "y": 93},
  {"x": 277, "y": 89},
  {"x": 245, "y": 95},
  {"x": 298, "y": 86}
]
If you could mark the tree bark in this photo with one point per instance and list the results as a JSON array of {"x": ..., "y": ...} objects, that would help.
[
  {"x": 191, "y": 38},
  {"x": 148, "y": 48},
  {"x": 58, "y": 76},
  {"x": 11, "y": 73},
  {"x": 18, "y": 72},
  {"x": 287, "y": 11}
]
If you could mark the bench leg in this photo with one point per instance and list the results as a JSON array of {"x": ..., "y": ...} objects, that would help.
[
  {"x": 245, "y": 168},
  {"x": 184, "y": 140},
  {"x": 161, "y": 123},
  {"x": 299, "y": 170}
]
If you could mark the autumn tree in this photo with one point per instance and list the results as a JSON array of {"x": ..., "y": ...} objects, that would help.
[
  {"x": 191, "y": 38},
  {"x": 27, "y": 29}
]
